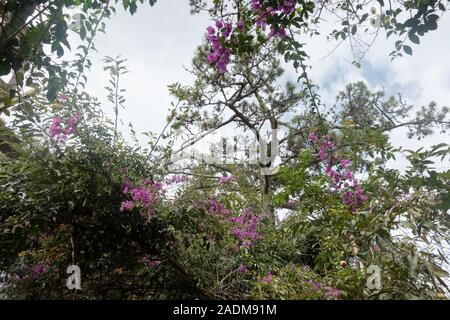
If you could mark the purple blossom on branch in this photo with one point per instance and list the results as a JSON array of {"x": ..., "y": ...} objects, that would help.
[
  {"x": 38, "y": 269},
  {"x": 343, "y": 179},
  {"x": 59, "y": 131},
  {"x": 267, "y": 279},
  {"x": 152, "y": 263},
  {"x": 227, "y": 179}
]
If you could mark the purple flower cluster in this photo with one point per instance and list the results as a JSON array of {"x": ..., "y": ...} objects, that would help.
[
  {"x": 33, "y": 272},
  {"x": 63, "y": 97},
  {"x": 376, "y": 248},
  {"x": 291, "y": 204},
  {"x": 220, "y": 41},
  {"x": 330, "y": 293},
  {"x": 226, "y": 180},
  {"x": 143, "y": 196},
  {"x": 127, "y": 206},
  {"x": 218, "y": 209},
  {"x": 62, "y": 131},
  {"x": 245, "y": 227},
  {"x": 152, "y": 263},
  {"x": 242, "y": 269},
  {"x": 263, "y": 12},
  {"x": 267, "y": 279},
  {"x": 221, "y": 36},
  {"x": 338, "y": 170},
  {"x": 38, "y": 269}
]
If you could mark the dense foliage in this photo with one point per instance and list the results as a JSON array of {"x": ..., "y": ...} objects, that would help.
[{"x": 143, "y": 226}]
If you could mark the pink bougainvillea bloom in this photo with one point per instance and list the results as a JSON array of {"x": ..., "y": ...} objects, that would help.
[
  {"x": 127, "y": 206},
  {"x": 362, "y": 198},
  {"x": 242, "y": 269},
  {"x": 63, "y": 138},
  {"x": 332, "y": 293},
  {"x": 154, "y": 264},
  {"x": 38, "y": 269},
  {"x": 240, "y": 25},
  {"x": 61, "y": 133},
  {"x": 212, "y": 57},
  {"x": 345, "y": 163},
  {"x": 221, "y": 54},
  {"x": 227, "y": 30},
  {"x": 213, "y": 38},
  {"x": 219, "y": 24},
  {"x": 256, "y": 5},
  {"x": 141, "y": 194},
  {"x": 348, "y": 175},
  {"x": 73, "y": 120},
  {"x": 267, "y": 279},
  {"x": 55, "y": 127},
  {"x": 213, "y": 206},
  {"x": 376, "y": 248},
  {"x": 63, "y": 97},
  {"x": 225, "y": 180},
  {"x": 313, "y": 137}
]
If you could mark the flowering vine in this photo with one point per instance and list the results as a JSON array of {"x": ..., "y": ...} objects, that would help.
[
  {"x": 220, "y": 42},
  {"x": 226, "y": 39},
  {"x": 218, "y": 209},
  {"x": 34, "y": 272},
  {"x": 226, "y": 179},
  {"x": 152, "y": 263},
  {"x": 267, "y": 14},
  {"x": 343, "y": 179},
  {"x": 242, "y": 269},
  {"x": 329, "y": 292},
  {"x": 267, "y": 279},
  {"x": 144, "y": 196},
  {"x": 243, "y": 226},
  {"x": 61, "y": 129},
  {"x": 147, "y": 194},
  {"x": 63, "y": 97}
]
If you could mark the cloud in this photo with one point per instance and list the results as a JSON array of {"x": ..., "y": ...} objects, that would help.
[
  {"x": 421, "y": 78},
  {"x": 158, "y": 41}
]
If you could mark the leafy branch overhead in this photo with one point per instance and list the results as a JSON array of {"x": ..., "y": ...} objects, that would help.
[{"x": 29, "y": 28}]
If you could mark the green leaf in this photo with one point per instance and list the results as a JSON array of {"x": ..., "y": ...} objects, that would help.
[
  {"x": 413, "y": 37},
  {"x": 133, "y": 8},
  {"x": 407, "y": 49},
  {"x": 82, "y": 32}
]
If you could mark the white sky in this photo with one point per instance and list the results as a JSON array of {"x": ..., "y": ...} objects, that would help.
[{"x": 159, "y": 41}]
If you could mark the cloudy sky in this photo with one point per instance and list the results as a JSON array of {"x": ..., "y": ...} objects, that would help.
[{"x": 159, "y": 41}]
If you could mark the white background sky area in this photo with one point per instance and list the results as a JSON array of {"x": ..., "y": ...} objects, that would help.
[{"x": 159, "y": 41}]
